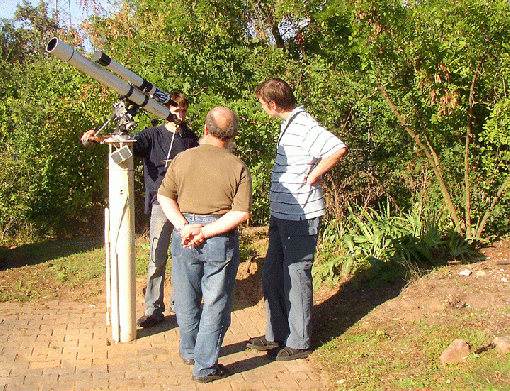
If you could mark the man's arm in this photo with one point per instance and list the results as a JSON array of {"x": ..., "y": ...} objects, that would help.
[
  {"x": 225, "y": 223},
  {"x": 91, "y": 136},
  {"x": 193, "y": 234},
  {"x": 172, "y": 211},
  {"x": 324, "y": 166}
]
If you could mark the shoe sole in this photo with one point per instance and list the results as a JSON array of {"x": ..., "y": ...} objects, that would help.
[
  {"x": 223, "y": 373},
  {"x": 296, "y": 356},
  {"x": 207, "y": 379},
  {"x": 262, "y": 348}
]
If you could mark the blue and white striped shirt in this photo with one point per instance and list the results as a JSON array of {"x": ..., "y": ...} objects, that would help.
[{"x": 301, "y": 147}]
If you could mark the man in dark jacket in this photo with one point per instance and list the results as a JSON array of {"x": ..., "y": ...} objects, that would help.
[{"x": 157, "y": 146}]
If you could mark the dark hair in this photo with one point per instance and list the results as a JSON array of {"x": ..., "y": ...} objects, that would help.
[
  {"x": 180, "y": 98},
  {"x": 278, "y": 91},
  {"x": 222, "y": 123}
]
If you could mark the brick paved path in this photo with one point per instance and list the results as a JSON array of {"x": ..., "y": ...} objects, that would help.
[{"x": 65, "y": 346}]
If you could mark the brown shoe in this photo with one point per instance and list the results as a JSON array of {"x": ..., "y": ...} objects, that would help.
[
  {"x": 219, "y": 373},
  {"x": 289, "y": 354},
  {"x": 147, "y": 321},
  {"x": 261, "y": 343},
  {"x": 188, "y": 361}
]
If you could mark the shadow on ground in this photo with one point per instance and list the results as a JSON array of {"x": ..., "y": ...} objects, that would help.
[
  {"x": 357, "y": 297},
  {"x": 169, "y": 324},
  {"x": 33, "y": 254},
  {"x": 353, "y": 300}
]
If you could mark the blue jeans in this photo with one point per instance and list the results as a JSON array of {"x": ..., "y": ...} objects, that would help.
[
  {"x": 205, "y": 272},
  {"x": 287, "y": 281},
  {"x": 160, "y": 232}
]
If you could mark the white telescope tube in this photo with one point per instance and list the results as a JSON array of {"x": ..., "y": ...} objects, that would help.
[
  {"x": 66, "y": 53},
  {"x": 142, "y": 84}
]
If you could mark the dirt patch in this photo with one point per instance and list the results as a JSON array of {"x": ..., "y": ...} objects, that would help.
[
  {"x": 455, "y": 289},
  {"x": 481, "y": 286}
]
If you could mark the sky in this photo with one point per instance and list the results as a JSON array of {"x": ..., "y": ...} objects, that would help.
[{"x": 8, "y": 7}]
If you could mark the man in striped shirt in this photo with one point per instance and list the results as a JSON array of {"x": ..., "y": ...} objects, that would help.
[{"x": 305, "y": 151}]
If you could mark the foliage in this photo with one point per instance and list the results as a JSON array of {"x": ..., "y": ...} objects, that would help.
[
  {"x": 440, "y": 74},
  {"x": 417, "y": 90},
  {"x": 370, "y": 239},
  {"x": 41, "y": 120},
  {"x": 210, "y": 60}
]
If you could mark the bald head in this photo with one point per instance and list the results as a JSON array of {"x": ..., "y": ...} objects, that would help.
[{"x": 221, "y": 123}]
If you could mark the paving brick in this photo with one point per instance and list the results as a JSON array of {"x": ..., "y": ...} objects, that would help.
[
  {"x": 74, "y": 377},
  {"x": 64, "y": 346},
  {"x": 4, "y": 370},
  {"x": 12, "y": 382},
  {"x": 311, "y": 385},
  {"x": 56, "y": 386},
  {"x": 101, "y": 384},
  {"x": 44, "y": 364}
]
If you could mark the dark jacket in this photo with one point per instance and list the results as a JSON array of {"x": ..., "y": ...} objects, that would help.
[{"x": 152, "y": 145}]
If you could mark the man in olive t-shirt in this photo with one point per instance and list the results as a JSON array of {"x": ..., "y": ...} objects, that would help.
[{"x": 206, "y": 194}]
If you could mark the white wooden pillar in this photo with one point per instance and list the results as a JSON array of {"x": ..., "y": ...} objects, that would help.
[{"x": 122, "y": 293}]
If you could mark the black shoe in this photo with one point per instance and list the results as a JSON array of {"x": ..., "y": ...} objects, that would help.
[
  {"x": 261, "y": 343},
  {"x": 289, "y": 354},
  {"x": 147, "y": 321},
  {"x": 219, "y": 373}
]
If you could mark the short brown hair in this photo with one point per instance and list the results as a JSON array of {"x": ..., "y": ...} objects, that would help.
[
  {"x": 277, "y": 91},
  {"x": 180, "y": 98}
]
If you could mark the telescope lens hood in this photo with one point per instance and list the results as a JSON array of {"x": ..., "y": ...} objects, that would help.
[
  {"x": 52, "y": 44},
  {"x": 60, "y": 49}
]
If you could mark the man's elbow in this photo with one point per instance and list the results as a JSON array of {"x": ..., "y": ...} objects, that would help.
[
  {"x": 161, "y": 198},
  {"x": 338, "y": 155},
  {"x": 246, "y": 216},
  {"x": 243, "y": 217}
]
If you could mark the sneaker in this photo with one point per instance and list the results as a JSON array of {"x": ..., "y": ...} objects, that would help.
[
  {"x": 147, "y": 321},
  {"x": 219, "y": 373},
  {"x": 261, "y": 343},
  {"x": 288, "y": 354}
]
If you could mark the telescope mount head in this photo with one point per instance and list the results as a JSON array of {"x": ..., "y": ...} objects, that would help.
[{"x": 124, "y": 113}]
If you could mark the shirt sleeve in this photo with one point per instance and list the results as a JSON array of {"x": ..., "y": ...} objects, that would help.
[
  {"x": 320, "y": 143},
  {"x": 242, "y": 198},
  {"x": 141, "y": 147}
]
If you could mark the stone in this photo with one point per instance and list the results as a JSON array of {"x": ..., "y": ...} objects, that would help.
[
  {"x": 456, "y": 352},
  {"x": 502, "y": 344}
]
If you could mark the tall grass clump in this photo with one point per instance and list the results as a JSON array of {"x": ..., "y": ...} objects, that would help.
[{"x": 386, "y": 240}]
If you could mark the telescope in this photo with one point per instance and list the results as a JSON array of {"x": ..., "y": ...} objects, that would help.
[
  {"x": 135, "y": 93},
  {"x": 140, "y": 83}
]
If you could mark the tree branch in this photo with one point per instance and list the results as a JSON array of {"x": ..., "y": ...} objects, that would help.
[
  {"x": 488, "y": 212},
  {"x": 469, "y": 137},
  {"x": 432, "y": 158}
]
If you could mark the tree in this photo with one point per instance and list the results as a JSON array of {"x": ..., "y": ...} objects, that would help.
[
  {"x": 440, "y": 67},
  {"x": 48, "y": 179}
]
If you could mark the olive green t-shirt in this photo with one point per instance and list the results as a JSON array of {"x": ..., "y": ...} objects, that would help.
[{"x": 208, "y": 180}]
